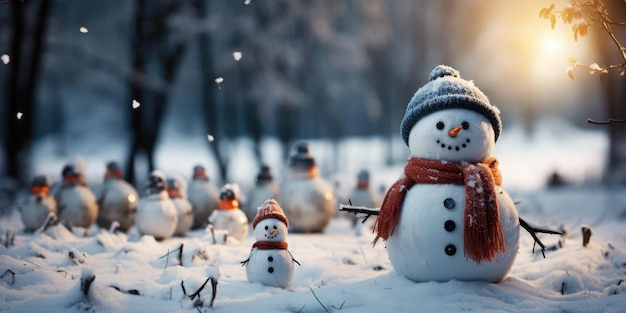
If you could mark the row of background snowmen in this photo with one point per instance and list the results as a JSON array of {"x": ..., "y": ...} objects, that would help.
[{"x": 169, "y": 207}]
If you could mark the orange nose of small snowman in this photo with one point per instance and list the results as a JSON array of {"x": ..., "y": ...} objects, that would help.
[
  {"x": 273, "y": 231},
  {"x": 455, "y": 131}
]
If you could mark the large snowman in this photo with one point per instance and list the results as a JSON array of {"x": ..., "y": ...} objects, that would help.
[
  {"x": 448, "y": 218},
  {"x": 308, "y": 200},
  {"x": 270, "y": 263}
]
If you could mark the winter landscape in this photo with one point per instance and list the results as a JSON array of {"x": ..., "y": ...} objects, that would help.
[{"x": 141, "y": 140}]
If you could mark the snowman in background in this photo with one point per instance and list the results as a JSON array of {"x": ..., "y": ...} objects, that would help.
[
  {"x": 362, "y": 195},
  {"x": 308, "y": 200},
  {"x": 264, "y": 189},
  {"x": 229, "y": 216},
  {"x": 78, "y": 206},
  {"x": 156, "y": 213},
  {"x": 269, "y": 262},
  {"x": 117, "y": 200},
  {"x": 38, "y": 205},
  {"x": 448, "y": 218},
  {"x": 203, "y": 196},
  {"x": 176, "y": 189}
]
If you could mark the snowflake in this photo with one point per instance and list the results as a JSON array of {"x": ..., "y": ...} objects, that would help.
[
  {"x": 19, "y": 115},
  {"x": 210, "y": 137},
  {"x": 237, "y": 55},
  {"x": 84, "y": 30},
  {"x": 5, "y": 58},
  {"x": 136, "y": 104}
]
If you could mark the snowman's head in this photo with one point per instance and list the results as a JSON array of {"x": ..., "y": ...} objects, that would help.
[
  {"x": 270, "y": 229},
  {"x": 447, "y": 91},
  {"x": 454, "y": 135}
]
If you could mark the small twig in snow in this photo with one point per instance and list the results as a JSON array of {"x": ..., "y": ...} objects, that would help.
[
  {"x": 609, "y": 121},
  {"x": 85, "y": 283},
  {"x": 50, "y": 219},
  {"x": 318, "y": 300},
  {"x": 533, "y": 233},
  {"x": 587, "y": 232}
]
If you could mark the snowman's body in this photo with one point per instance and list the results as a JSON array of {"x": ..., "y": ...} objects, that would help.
[
  {"x": 234, "y": 221},
  {"x": 204, "y": 198},
  {"x": 118, "y": 201},
  {"x": 185, "y": 216},
  {"x": 270, "y": 267},
  {"x": 427, "y": 244},
  {"x": 36, "y": 209},
  {"x": 308, "y": 202},
  {"x": 156, "y": 216},
  {"x": 77, "y": 205},
  {"x": 428, "y": 241}
]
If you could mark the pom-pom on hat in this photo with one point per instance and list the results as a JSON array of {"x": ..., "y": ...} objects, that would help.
[
  {"x": 270, "y": 209},
  {"x": 446, "y": 90}
]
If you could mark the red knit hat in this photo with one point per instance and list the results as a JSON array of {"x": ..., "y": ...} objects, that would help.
[{"x": 270, "y": 209}]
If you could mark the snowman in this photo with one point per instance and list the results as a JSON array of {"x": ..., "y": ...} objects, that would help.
[
  {"x": 264, "y": 189},
  {"x": 269, "y": 262},
  {"x": 229, "y": 216},
  {"x": 38, "y": 205},
  {"x": 78, "y": 206},
  {"x": 156, "y": 214},
  {"x": 448, "y": 218},
  {"x": 203, "y": 196},
  {"x": 117, "y": 200},
  {"x": 308, "y": 200},
  {"x": 362, "y": 195},
  {"x": 176, "y": 190}
]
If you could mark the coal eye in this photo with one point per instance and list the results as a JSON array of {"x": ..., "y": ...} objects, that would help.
[
  {"x": 275, "y": 227},
  {"x": 465, "y": 125},
  {"x": 266, "y": 228},
  {"x": 440, "y": 125}
]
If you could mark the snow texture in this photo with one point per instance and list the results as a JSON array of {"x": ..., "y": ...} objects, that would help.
[{"x": 134, "y": 273}]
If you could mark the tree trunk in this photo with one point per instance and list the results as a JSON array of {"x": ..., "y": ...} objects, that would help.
[{"x": 24, "y": 72}]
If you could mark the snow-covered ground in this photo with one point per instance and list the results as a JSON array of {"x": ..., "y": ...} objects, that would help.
[{"x": 340, "y": 271}]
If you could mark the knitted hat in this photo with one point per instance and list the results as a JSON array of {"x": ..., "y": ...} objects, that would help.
[
  {"x": 270, "y": 209},
  {"x": 265, "y": 175},
  {"x": 302, "y": 158},
  {"x": 446, "y": 90}
]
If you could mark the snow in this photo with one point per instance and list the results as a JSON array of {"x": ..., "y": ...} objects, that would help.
[
  {"x": 237, "y": 55},
  {"x": 340, "y": 270},
  {"x": 344, "y": 271},
  {"x": 19, "y": 115},
  {"x": 5, "y": 58},
  {"x": 83, "y": 30},
  {"x": 136, "y": 104}
]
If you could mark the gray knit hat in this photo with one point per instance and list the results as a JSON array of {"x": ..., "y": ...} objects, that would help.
[{"x": 446, "y": 90}]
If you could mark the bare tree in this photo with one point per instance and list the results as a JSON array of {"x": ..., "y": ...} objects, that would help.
[{"x": 26, "y": 52}]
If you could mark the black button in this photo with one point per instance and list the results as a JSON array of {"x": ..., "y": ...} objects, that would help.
[
  {"x": 271, "y": 269},
  {"x": 450, "y": 250},
  {"x": 270, "y": 259},
  {"x": 449, "y": 203},
  {"x": 449, "y": 225}
]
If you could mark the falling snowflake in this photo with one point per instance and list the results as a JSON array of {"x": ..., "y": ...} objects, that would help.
[
  {"x": 219, "y": 80},
  {"x": 210, "y": 137},
  {"x": 237, "y": 55},
  {"x": 84, "y": 30},
  {"x": 136, "y": 104},
  {"x": 5, "y": 58},
  {"x": 247, "y": 2},
  {"x": 19, "y": 115}
]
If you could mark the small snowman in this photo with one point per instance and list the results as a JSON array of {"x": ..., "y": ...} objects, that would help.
[
  {"x": 156, "y": 213},
  {"x": 264, "y": 189},
  {"x": 448, "y": 218},
  {"x": 308, "y": 200},
  {"x": 229, "y": 217},
  {"x": 203, "y": 196},
  {"x": 117, "y": 200},
  {"x": 269, "y": 262},
  {"x": 78, "y": 206},
  {"x": 177, "y": 193},
  {"x": 38, "y": 205}
]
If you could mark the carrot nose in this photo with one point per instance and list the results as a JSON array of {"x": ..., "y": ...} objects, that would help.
[
  {"x": 455, "y": 131},
  {"x": 272, "y": 232}
]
